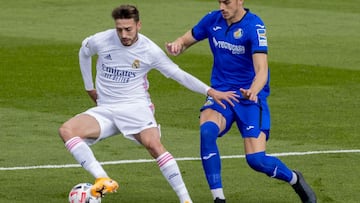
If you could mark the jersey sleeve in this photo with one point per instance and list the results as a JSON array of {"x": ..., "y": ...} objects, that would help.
[
  {"x": 200, "y": 30},
  {"x": 258, "y": 37},
  {"x": 171, "y": 70},
  {"x": 88, "y": 46},
  {"x": 85, "y": 54}
]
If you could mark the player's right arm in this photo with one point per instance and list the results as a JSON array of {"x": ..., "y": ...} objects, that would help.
[
  {"x": 85, "y": 62},
  {"x": 181, "y": 44},
  {"x": 192, "y": 36}
]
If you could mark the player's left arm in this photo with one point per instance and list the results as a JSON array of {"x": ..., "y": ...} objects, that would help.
[
  {"x": 261, "y": 76},
  {"x": 170, "y": 70},
  {"x": 192, "y": 83}
]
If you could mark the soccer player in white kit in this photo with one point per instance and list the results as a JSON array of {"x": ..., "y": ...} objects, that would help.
[{"x": 122, "y": 100}]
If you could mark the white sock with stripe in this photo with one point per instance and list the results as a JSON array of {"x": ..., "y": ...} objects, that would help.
[
  {"x": 85, "y": 157},
  {"x": 171, "y": 172}
]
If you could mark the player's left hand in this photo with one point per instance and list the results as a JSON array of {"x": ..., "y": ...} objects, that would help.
[
  {"x": 219, "y": 96},
  {"x": 248, "y": 94}
]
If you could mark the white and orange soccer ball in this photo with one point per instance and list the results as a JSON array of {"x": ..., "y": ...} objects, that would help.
[{"x": 80, "y": 193}]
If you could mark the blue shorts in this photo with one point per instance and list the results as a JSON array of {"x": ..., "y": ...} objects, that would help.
[{"x": 250, "y": 117}]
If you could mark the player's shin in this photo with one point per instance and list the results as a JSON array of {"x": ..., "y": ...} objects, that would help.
[
  {"x": 210, "y": 156},
  {"x": 171, "y": 172},
  {"x": 84, "y": 156},
  {"x": 269, "y": 165}
]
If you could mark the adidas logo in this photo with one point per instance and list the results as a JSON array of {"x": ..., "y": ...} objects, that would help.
[{"x": 108, "y": 57}]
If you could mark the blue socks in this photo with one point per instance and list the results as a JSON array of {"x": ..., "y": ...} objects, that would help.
[
  {"x": 269, "y": 165},
  {"x": 210, "y": 156}
]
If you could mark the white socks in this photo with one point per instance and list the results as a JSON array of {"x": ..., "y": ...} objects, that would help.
[
  {"x": 168, "y": 166},
  {"x": 85, "y": 157},
  {"x": 294, "y": 179},
  {"x": 171, "y": 172},
  {"x": 218, "y": 192}
]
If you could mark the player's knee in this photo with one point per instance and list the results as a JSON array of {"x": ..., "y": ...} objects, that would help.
[
  {"x": 65, "y": 132},
  {"x": 208, "y": 133},
  {"x": 62, "y": 131},
  {"x": 258, "y": 162},
  {"x": 154, "y": 147}
]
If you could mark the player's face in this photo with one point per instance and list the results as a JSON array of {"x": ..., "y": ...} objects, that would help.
[
  {"x": 230, "y": 9},
  {"x": 127, "y": 30}
]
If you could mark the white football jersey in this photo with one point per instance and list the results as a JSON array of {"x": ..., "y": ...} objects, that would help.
[{"x": 121, "y": 71}]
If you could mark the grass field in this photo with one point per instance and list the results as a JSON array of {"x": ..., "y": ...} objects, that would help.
[{"x": 315, "y": 81}]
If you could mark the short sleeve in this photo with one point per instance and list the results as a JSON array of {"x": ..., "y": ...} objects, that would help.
[
  {"x": 259, "y": 39},
  {"x": 200, "y": 30}
]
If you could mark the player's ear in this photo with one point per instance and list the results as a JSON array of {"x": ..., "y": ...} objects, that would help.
[{"x": 138, "y": 25}]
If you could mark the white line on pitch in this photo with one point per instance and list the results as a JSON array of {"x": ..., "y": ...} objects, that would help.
[{"x": 178, "y": 159}]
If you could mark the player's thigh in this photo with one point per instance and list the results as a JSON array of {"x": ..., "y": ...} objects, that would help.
[
  {"x": 150, "y": 139},
  {"x": 214, "y": 116},
  {"x": 255, "y": 144},
  {"x": 132, "y": 119},
  {"x": 82, "y": 125}
]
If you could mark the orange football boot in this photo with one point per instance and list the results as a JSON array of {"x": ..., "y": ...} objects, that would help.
[{"x": 103, "y": 186}]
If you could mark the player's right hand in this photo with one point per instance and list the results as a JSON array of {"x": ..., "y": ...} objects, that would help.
[
  {"x": 173, "y": 48},
  {"x": 228, "y": 96},
  {"x": 92, "y": 94}
]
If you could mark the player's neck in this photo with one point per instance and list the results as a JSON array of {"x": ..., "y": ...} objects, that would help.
[{"x": 240, "y": 14}]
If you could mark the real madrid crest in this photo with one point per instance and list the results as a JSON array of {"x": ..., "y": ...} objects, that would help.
[
  {"x": 238, "y": 33},
  {"x": 136, "y": 64}
]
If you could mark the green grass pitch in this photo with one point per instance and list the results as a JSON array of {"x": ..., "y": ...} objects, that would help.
[{"x": 315, "y": 81}]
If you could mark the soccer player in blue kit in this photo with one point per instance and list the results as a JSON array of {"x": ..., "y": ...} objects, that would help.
[{"x": 238, "y": 42}]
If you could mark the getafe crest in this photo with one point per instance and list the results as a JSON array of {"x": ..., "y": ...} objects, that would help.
[
  {"x": 238, "y": 33},
  {"x": 209, "y": 102}
]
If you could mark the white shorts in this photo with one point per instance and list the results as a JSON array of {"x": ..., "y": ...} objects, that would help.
[{"x": 127, "y": 119}]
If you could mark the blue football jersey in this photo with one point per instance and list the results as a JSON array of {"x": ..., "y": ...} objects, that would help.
[{"x": 232, "y": 47}]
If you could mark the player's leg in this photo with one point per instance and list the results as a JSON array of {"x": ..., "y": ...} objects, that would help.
[
  {"x": 275, "y": 168},
  {"x": 150, "y": 139},
  {"x": 73, "y": 132},
  {"x": 259, "y": 161},
  {"x": 254, "y": 120},
  {"x": 211, "y": 124}
]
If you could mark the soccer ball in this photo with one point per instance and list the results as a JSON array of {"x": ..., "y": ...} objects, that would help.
[{"x": 80, "y": 193}]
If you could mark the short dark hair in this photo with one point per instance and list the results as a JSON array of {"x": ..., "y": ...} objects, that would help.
[{"x": 126, "y": 12}]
